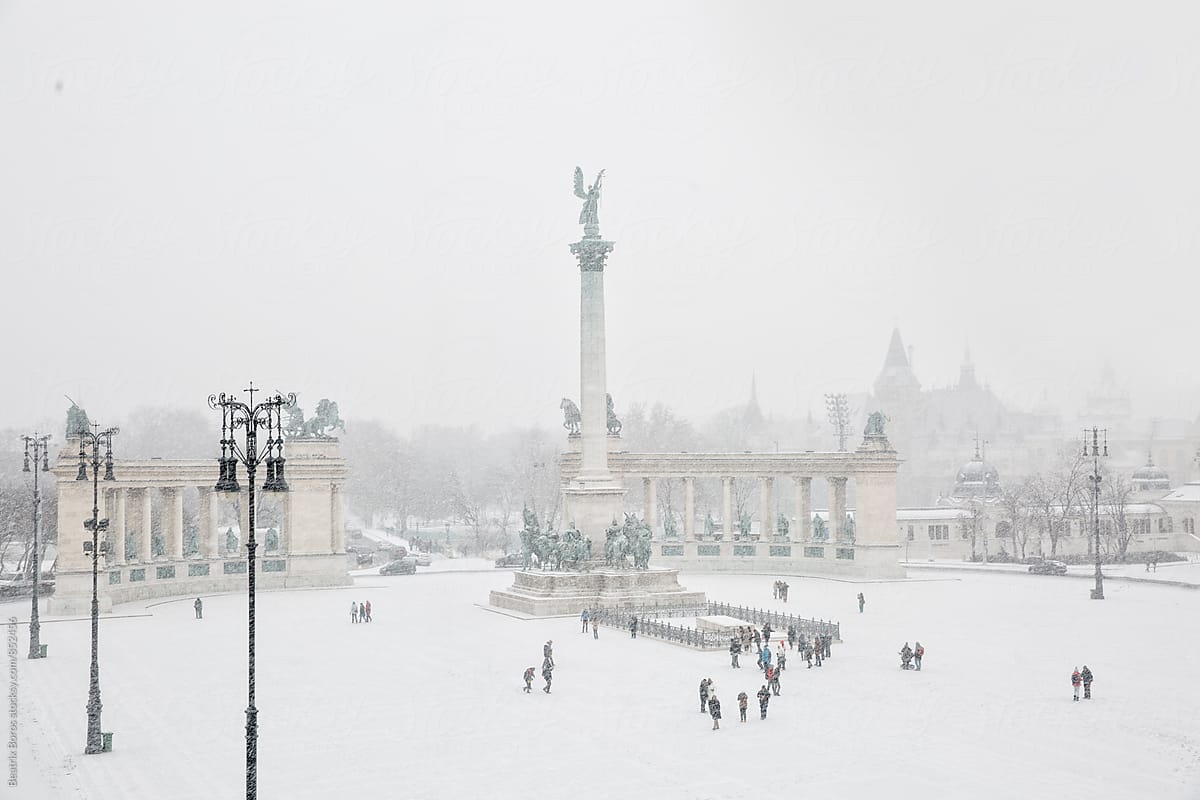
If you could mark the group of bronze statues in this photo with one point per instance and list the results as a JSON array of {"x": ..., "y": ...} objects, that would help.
[{"x": 573, "y": 551}]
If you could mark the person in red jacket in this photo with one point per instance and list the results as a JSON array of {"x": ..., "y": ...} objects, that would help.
[{"x": 1076, "y": 680}]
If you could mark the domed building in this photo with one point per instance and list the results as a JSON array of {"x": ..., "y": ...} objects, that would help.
[
  {"x": 1149, "y": 478},
  {"x": 976, "y": 480}
]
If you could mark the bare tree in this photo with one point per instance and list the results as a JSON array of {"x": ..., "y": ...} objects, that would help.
[
  {"x": 970, "y": 524},
  {"x": 1055, "y": 497},
  {"x": 1116, "y": 508},
  {"x": 1014, "y": 504}
]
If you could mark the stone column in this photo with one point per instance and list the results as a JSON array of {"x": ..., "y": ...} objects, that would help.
[
  {"x": 210, "y": 546},
  {"x": 837, "y": 508},
  {"x": 689, "y": 509},
  {"x": 116, "y": 528},
  {"x": 727, "y": 507},
  {"x": 593, "y": 399},
  {"x": 650, "y": 504},
  {"x": 172, "y": 509},
  {"x": 766, "y": 507},
  {"x": 803, "y": 508},
  {"x": 145, "y": 529},
  {"x": 338, "y": 515}
]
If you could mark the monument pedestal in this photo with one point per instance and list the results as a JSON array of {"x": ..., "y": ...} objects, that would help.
[
  {"x": 593, "y": 508},
  {"x": 548, "y": 594}
]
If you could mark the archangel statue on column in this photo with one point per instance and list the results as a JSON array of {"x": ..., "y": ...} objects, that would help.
[{"x": 589, "y": 217}]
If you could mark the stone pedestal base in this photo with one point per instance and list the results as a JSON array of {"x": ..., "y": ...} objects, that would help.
[
  {"x": 592, "y": 509},
  {"x": 545, "y": 594},
  {"x": 73, "y": 594}
]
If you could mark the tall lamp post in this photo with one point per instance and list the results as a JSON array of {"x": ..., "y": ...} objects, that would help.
[
  {"x": 838, "y": 410},
  {"x": 1096, "y": 451},
  {"x": 249, "y": 418},
  {"x": 95, "y": 740},
  {"x": 39, "y": 446}
]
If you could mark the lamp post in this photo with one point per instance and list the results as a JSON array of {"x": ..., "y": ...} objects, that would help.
[
  {"x": 838, "y": 410},
  {"x": 1095, "y": 478},
  {"x": 39, "y": 445},
  {"x": 95, "y": 741},
  {"x": 250, "y": 417}
]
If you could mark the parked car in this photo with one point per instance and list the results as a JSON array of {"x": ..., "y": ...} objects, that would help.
[
  {"x": 365, "y": 559},
  {"x": 1048, "y": 568},
  {"x": 423, "y": 559},
  {"x": 511, "y": 560},
  {"x": 401, "y": 566}
]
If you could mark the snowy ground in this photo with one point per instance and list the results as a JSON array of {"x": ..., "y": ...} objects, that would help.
[{"x": 425, "y": 701}]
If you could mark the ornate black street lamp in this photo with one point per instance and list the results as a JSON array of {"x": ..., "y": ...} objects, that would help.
[
  {"x": 249, "y": 417},
  {"x": 95, "y": 740},
  {"x": 1096, "y": 478},
  {"x": 39, "y": 446}
]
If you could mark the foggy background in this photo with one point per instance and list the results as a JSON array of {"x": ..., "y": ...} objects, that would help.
[{"x": 374, "y": 204}]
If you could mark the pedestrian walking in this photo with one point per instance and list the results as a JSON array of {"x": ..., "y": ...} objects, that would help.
[
  {"x": 775, "y": 591},
  {"x": 828, "y": 640},
  {"x": 791, "y": 636},
  {"x": 547, "y": 675},
  {"x": 633, "y": 627},
  {"x": 367, "y": 609},
  {"x": 773, "y": 680},
  {"x": 353, "y": 611},
  {"x": 362, "y": 613},
  {"x": 704, "y": 684},
  {"x": 199, "y": 608},
  {"x": 584, "y": 618},
  {"x": 918, "y": 654},
  {"x": 781, "y": 657},
  {"x": 784, "y": 590},
  {"x": 906, "y": 655},
  {"x": 714, "y": 708},
  {"x": 818, "y": 651},
  {"x": 1086, "y": 677},
  {"x": 764, "y": 697},
  {"x": 548, "y": 652},
  {"x": 1076, "y": 680},
  {"x": 764, "y": 657},
  {"x": 528, "y": 680},
  {"x": 743, "y": 702},
  {"x": 861, "y": 602},
  {"x": 595, "y": 629},
  {"x": 808, "y": 653},
  {"x": 734, "y": 650}
]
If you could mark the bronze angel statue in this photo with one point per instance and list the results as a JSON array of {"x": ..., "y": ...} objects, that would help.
[{"x": 589, "y": 217}]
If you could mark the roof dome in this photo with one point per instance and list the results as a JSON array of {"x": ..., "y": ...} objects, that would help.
[
  {"x": 1150, "y": 477},
  {"x": 976, "y": 478}
]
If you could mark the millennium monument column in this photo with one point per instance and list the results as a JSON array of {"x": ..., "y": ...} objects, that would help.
[{"x": 595, "y": 497}]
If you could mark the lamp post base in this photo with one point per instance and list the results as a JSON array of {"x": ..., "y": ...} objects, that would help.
[{"x": 1097, "y": 594}]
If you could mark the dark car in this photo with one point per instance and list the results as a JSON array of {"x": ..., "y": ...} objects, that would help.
[
  {"x": 401, "y": 566},
  {"x": 365, "y": 559},
  {"x": 1048, "y": 568},
  {"x": 511, "y": 560}
]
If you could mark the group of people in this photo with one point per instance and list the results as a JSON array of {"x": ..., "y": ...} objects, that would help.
[
  {"x": 749, "y": 639},
  {"x": 588, "y": 617},
  {"x": 780, "y": 591},
  {"x": 909, "y": 655},
  {"x": 360, "y": 612},
  {"x": 710, "y": 703},
  {"x": 547, "y": 668},
  {"x": 1082, "y": 678}
]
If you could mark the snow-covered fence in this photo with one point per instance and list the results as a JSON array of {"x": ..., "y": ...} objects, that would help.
[{"x": 650, "y": 622}]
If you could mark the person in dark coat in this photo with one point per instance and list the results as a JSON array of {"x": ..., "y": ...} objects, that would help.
[
  {"x": 199, "y": 608},
  {"x": 704, "y": 684},
  {"x": 362, "y": 613},
  {"x": 547, "y": 674},
  {"x": 764, "y": 697},
  {"x": 584, "y": 618},
  {"x": 828, "y": 639},
  {"x": 734, "y": 650},
  {"x": 773, "y": 680},
  {"x": 528, "y": 680},
  {"x": 714, "y": 708},
  {"x": 861, "y": 602},
  {"x": 743, "y": 702},
  {"x": 766, "y": 632},
  {"x": 906, "y": 657},
  {"x": 818, "y": 650},
  {"x": 791, "y": 636},
  {"x": 353, "y": 611},
  {"x": 807, "y": 651},
  {"x": 548, "y": 652},
  {"x": 1086, "y": 676},
  {"x": 633, "y": 627}
]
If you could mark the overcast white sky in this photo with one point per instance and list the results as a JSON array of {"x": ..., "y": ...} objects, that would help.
[{"x": 373, "y": 202}]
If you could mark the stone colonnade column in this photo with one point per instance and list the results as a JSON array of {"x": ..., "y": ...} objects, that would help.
[
  {"x": 116, "y": 528},
  {"x": 172, "y": 510},
  {"x": 803, "y": 508},
  {"x": 837, "y": 508},
  {"x": 727, "y": 506},
  {"x": 766, "y": 506},
  {"x": 689, "y": 509},
  {"x": 650, "y": 503},
  {"x": 141, "y": 499},
  {"x": 338, "y": 515},
  {"x": 210, "y": 546}
]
